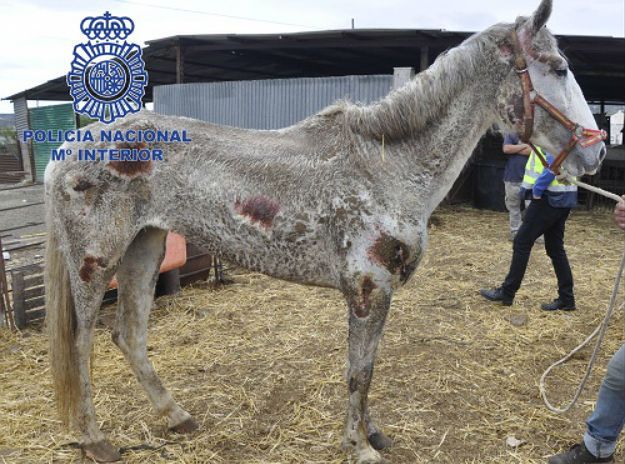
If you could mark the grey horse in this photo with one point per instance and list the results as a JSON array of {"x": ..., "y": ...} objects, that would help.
[{"x": 340, "y": 199}]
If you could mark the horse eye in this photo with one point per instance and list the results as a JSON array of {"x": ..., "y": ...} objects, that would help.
[{"x": 561, "y": 72}]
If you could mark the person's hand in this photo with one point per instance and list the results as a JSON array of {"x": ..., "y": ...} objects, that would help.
[{"x": 619, "y": 213}]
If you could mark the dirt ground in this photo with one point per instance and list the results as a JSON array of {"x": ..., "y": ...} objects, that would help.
[{"x": 260, "y": 363}]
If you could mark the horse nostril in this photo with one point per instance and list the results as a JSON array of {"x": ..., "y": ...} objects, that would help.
[{"x": 602, "y": 153}]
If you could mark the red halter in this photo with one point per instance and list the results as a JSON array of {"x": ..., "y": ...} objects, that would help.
[{"x": 585, "y": 137}]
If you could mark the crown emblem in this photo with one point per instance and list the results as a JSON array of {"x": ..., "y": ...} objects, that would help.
[
  {"x": 107, "y": 79},
  {"x": 107, "y": 27}
]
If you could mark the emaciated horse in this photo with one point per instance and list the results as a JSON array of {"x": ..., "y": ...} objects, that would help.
[{"x": 317, "y": 203}]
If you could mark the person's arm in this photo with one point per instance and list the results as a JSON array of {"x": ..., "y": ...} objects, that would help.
[
  {"x": 543, "y": 181},
  {"x": 619, "y": 213},
  {"x": 519, "y": 149}
]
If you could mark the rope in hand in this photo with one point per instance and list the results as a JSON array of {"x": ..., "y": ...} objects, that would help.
[{"x": 600, "y": 329}]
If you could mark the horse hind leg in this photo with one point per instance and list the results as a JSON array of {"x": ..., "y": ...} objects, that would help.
[
  {"x": 94, "y": 443},
  {"x": 71, "y": 312},
  {"x": 137, "y": 275}
]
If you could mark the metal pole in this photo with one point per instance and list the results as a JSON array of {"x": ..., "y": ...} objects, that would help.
[
  {"x": 424, "y": 58},
  {"x": 179, "y": 64}
]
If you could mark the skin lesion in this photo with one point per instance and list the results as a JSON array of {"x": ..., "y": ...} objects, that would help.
[
  {"x": 389, "y": 253},
  {"x": 553, "y": 60},
  {"x": 364, "y": 296},
  {"x": 131, "y": 169},
  {"x": 83, "y": 184},
  {"x": 90, "y": 265},
  {"x": 362, "y": 307},
  {"x": 517, "y": 109},
  {"x": 395, "y": 256},
  {"x": 259, "y": 209}
]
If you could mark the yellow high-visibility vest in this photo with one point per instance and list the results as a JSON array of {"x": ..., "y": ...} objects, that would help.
[{"x": 533, "y": 170}]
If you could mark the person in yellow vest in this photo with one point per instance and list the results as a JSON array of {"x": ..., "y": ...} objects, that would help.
[{"x": 551, "y": 203}]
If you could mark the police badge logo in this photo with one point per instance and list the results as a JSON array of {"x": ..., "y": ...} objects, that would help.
[{"x": 108, "y": 78}]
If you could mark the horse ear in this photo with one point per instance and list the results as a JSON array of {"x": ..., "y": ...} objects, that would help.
[{"x": 540, "y": 16}]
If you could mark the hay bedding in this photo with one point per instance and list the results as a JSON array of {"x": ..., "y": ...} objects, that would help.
[{"x": 260, "y": 363}]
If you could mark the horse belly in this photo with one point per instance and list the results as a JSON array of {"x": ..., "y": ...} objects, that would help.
[{"x": 283, "y": 246}]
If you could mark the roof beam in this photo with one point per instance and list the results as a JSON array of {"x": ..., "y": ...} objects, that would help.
[{"x": 324, "y": 44}]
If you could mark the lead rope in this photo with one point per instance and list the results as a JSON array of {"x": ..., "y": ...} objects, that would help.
[{"x": 600, "y": 329}]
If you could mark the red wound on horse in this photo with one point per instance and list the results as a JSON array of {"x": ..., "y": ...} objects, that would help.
[
  {"x": 390, "y": 253},
  {"x": 82, "y": 185},
  {"x": 362, "y": 309},
  {"x": 89, "y": 266},
  {"x": 516, "y": 110},
  {"x": 132, "y": 146},
  {"x": 129, "y": 168},
  {"x": 258, "y": 209}
]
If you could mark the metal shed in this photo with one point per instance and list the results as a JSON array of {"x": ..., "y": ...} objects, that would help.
[
  {"x": 265, "y": 104},
  {"x": 52, "y": 117}
]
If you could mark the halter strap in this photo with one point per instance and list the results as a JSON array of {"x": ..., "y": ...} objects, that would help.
[
  {"x": 585, "y": 137},
  {"x": 520, "y": 66}
]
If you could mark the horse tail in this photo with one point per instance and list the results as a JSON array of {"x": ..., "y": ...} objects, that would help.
[{"x": 61, "y": 324}]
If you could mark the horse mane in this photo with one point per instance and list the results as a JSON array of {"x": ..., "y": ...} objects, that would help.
[{"x": 411, "y": 107}]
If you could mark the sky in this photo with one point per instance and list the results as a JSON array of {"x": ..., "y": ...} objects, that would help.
[{"x": 37, "y": 37}]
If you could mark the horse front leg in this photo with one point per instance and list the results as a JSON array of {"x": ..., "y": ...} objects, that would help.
[
  {"x": 368, "y": 304},
  {"x": 376, "y": 437}
]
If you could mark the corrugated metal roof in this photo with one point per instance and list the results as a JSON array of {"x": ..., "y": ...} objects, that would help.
[{"x": 598, "y": 62}]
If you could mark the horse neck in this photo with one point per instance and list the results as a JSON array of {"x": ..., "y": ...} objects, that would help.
[
  {"x": 442, "y": 154},
  {"x": 432, "y": 124}
]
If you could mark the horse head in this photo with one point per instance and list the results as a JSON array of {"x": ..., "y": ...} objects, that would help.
[{"x": 540, "y": 98}]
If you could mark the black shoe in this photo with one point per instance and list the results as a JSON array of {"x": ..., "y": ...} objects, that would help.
[
  {"x": 557, "y": 304},
  {"x": 496, "y": 294},
  {"x": 578, "y": 454}
]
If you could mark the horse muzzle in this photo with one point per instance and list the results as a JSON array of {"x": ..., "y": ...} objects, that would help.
[{"x": 592, "y": 157}]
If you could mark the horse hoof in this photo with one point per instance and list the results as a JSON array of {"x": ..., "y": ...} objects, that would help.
[
  {"x": 370, "y": 456},
  {"x": 187, "y": 426},
  {"x": 101, "y": 451},
  {"x": 348, "y": 445},
  {"x": 379, "y": 441}
]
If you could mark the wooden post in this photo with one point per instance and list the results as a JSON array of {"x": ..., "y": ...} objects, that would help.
[
  {"x": 19, "y": 312},
  {"x": 401, "y": 76},
  {"x": 179, "y": 63},
  {"x": 6, "y": 315}
]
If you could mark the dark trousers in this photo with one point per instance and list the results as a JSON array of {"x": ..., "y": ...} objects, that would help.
[{"x": 541, "y": 219}]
